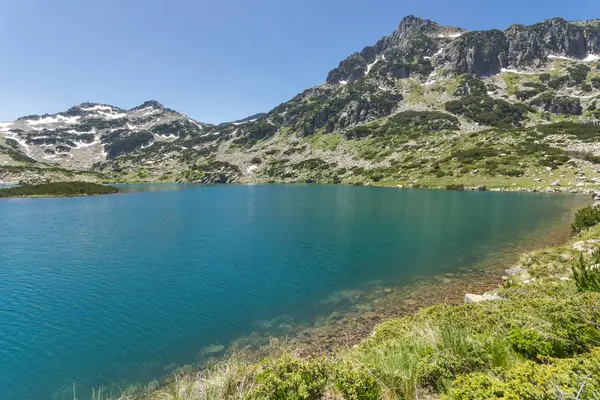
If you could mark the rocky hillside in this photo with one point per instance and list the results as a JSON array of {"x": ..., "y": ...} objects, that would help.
[{"x": 429, "y": 105}]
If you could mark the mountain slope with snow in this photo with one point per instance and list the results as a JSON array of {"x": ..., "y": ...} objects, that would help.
[{"x": 427, "y": 105}]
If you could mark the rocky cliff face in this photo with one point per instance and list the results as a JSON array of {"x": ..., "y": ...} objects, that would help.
[{"x": 455, "y": 51}]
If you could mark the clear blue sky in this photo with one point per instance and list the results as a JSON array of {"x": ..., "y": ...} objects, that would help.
[{"x": 213, "y": 60}]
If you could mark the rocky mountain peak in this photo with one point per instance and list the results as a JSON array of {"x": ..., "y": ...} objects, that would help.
[
  {"x": 411, "y": 25},
  {"x": 150, "y": 104}
]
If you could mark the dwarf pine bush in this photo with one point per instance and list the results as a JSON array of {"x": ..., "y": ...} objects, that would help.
[{"x": 587, "y": 273}]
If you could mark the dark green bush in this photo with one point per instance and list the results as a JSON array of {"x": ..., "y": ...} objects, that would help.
[
  {"x": 586, "y": 132},
  {"x": 578, "y": 73},
  {"x": 531, "y": 344},
  {"x": 587, "y": 274},
  {"x": 488, "y": 111},
  {"x": 469, "y": 156},
  {"x": 455, "y": 187},
  {"x": 469, "y": 85},
  {"x": 58, "y": 189},
  {"x": 586, "y": 218},
  {"x": 558, "y": 82}
]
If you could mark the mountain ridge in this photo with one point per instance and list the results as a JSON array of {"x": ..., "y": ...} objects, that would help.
[{"x": 425, "y": 86}]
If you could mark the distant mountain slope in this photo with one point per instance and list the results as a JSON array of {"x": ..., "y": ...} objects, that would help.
[
  {"x": 429, "y": 105},
  {"x": 90, "y": 133}
]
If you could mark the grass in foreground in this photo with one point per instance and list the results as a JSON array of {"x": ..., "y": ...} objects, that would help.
[
  {"x": 541, "y": 340},
  {"x": 59, "y": 189}
]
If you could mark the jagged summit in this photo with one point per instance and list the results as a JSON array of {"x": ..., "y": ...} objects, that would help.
[
  {"x": 412, "y": 25},
  {"x": 420, "y": 45},
  {"x": 150, "y": 104}
]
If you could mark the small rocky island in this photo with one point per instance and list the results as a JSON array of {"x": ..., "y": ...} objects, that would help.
[{"x": 59, "y": 189}]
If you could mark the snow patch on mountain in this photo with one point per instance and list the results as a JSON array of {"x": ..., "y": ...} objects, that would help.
[
  {"x": 58, "y": 119},
  {"x": 371, "y": 66},
  {"x": 591, "y": 58}
]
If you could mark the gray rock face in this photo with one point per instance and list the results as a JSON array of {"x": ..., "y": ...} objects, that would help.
[
  {"x": 480, "y": 53},
  {"x": 524, "y": 48},
  {"x": 560, "y": 37}
]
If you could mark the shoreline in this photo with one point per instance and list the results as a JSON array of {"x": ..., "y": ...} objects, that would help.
[
  {"x": 350, "y": 326},
  {"x": 332, "y": 334},
  {"x": 554, "y": 300}
]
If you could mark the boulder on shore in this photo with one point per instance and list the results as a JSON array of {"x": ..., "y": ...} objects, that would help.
[{"x": 475, "y": 298}]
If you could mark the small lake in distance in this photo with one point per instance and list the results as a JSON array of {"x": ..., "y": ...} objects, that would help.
[{"x": 114, "y": 289}]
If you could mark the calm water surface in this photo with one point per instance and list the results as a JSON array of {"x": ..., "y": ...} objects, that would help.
[{"x": 114, "y": 289}]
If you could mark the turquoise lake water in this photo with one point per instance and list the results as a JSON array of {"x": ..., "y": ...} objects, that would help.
[{"x": 115, "y": 289}]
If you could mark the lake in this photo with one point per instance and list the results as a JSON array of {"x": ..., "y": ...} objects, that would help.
[{"x": 117, "y": 289}]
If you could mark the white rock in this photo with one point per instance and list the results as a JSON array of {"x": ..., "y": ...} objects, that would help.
[
  {"x": 475, "y": 298},
  {"x": 555, "y": 183},
  {"x": 586, "y": 246}
]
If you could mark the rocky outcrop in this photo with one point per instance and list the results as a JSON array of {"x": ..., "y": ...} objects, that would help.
[
  {"x": 477, "y": 53},
  {"x": 558, "y": 104},
  {"x": 560, "y": 37},
  {"x": 482, "y": 53},
  {"x": 524, "y": 47},
  {"x": 412, "y": 38}
]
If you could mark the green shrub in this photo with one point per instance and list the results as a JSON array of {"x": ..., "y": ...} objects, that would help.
[
  {"x": 469, "y": 85},
  {"x": 530, "y": 343},
  {"x": 586, "y": 218},
  {"x": 578, "y": 73},
  {"x": 587, "y": 275},
  {"x": 585, "y": 132},
  {"x": 513, "y": 172},
  {"x": 576, "y": 378},
  {"x": 355, "y": 382},
  {"x": 289, "y": 378},
  {"x": 473, "y": 154},
  {"x": 455, "y": 187},
  {"x": 488, "y": 111}
]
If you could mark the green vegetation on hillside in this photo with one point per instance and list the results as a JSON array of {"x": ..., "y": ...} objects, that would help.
[
  {"x": 59, "y": 189},
  {"x": 490, "y": 112}
]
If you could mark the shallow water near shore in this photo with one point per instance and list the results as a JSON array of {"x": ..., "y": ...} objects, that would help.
[{"x": 119, "y": 289}]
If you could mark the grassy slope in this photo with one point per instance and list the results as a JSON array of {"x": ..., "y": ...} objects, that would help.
[{"x": 539, "y": 341}]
